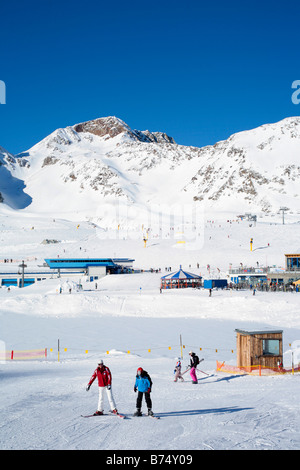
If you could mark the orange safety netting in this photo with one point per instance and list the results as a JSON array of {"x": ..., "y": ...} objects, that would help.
[{"x": 254, "y": 370}]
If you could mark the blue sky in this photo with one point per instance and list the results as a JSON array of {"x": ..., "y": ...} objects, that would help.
[{"x": 199, "y": 71}]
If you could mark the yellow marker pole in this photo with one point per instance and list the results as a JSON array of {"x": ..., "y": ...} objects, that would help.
[
  {"x": 58, "y": 350},
  {"x": 181, "y": 347},
  {"x": 251, "y": 243}
]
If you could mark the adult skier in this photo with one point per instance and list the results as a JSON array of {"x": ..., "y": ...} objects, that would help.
[
  {"x": 194, "y": 361},
  {"x": 143, "y": 384},
  {"x": 103, "y": 374},
  {"x": 177, "y": 371}
]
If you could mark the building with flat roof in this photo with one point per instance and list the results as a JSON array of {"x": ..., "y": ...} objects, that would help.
[
  {"x": 271, "y": 275},
  {"x": 286, "y": 276},
  {"x": 94, "y": 268},
  {"x": 259, "y": 348},
  {"x": 292, "y": 262}
]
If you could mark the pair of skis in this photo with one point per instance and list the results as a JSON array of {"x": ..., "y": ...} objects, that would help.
[
  {"x": 104, "y": 414},
  {"x": 117, "y": 414},
  {"x": 149, "y": 416}
]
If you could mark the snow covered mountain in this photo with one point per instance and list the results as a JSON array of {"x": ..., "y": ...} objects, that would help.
[
  {"x": 82, "y": 168},
  {"x": 11, "y": 187}
]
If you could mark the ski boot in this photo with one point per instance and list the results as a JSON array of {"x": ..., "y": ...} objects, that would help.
[
  {"x": 138, "y": 412},
  {"x": 150, "y": 412},
  {"x": 98, "y": 413}
]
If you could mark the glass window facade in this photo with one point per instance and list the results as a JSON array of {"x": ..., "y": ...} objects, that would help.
[
  {"x": 293, "y": 263},
  {"x": 270, "y": 347}
]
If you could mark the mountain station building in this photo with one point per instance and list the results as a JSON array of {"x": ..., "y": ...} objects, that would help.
[
  {"x": 270, "y": 276},
  {"x": 94, "y": 268}
]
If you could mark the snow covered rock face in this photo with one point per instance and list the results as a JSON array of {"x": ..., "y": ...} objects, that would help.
[
  {"x": 112, "y": 126},
  {"x": 261, "y": 167},
  {"x": 90, "y": 164},
  {"x": 11, "y": 187}
]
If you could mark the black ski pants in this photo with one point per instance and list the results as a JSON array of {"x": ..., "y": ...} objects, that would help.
[{"x": 140, "y": 397}]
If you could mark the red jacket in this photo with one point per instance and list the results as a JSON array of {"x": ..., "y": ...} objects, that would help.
[{"x": 103, "y": 375}]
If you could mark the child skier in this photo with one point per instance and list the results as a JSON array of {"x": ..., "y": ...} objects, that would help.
[
  {"x": 177, "y": 371},
  {"x": 194, "y": 361},
  {"x": 143, "y": 384},
  {"x": 104, "y": 382}
]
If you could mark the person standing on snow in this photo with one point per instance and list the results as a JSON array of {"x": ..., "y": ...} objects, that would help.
[
  {"x": 177, "y": 371},
  {"x": 143, "y": 384},
  {"x": 103, "y": 375},
  {"x": 194, "y": 361}
]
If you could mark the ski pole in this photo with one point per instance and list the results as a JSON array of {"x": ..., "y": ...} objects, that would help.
[
  {"x": 199, "y": 370},
  {"x": 186, "y": 371}
]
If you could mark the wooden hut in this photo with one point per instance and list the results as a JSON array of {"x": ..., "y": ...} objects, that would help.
[{"x": 259, "y": 348}]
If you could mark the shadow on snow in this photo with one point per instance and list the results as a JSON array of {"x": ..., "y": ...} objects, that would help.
[{"x": 232, "y": 409}]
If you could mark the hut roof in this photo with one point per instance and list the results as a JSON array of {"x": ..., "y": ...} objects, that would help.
[{"x": 258, "y": 332}]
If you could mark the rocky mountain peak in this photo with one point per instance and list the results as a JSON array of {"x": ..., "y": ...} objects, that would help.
[
  {"x": 112, "y": 126},
  {"x": 109, "y": 126},
  {"x": 105, "y": 160}
]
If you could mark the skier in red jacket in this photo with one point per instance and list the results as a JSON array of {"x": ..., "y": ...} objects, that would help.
[{"x": 103, "y": 375}]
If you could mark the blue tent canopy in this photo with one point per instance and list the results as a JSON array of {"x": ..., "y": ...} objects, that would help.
[{"x": 181, "y": 275}]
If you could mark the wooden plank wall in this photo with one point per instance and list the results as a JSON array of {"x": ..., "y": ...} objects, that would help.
[{"x": 250, "y": 350}]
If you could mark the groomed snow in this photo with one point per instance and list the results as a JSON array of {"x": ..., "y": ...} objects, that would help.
[{"x": 42, "y": 401}]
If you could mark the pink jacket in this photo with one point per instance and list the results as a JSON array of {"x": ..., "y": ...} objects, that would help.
[{"x": 103, "y": 375}]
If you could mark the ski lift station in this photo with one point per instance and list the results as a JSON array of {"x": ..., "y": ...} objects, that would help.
[{"x": 93, "y": 268}]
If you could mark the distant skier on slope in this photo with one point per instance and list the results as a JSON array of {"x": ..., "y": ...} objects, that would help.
[
  {"x": 143, "y": 384},
  {"x": 177, "y": 371},
  {"x": 103, "y": 375},
  {"x": 194, "y": 361}
]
